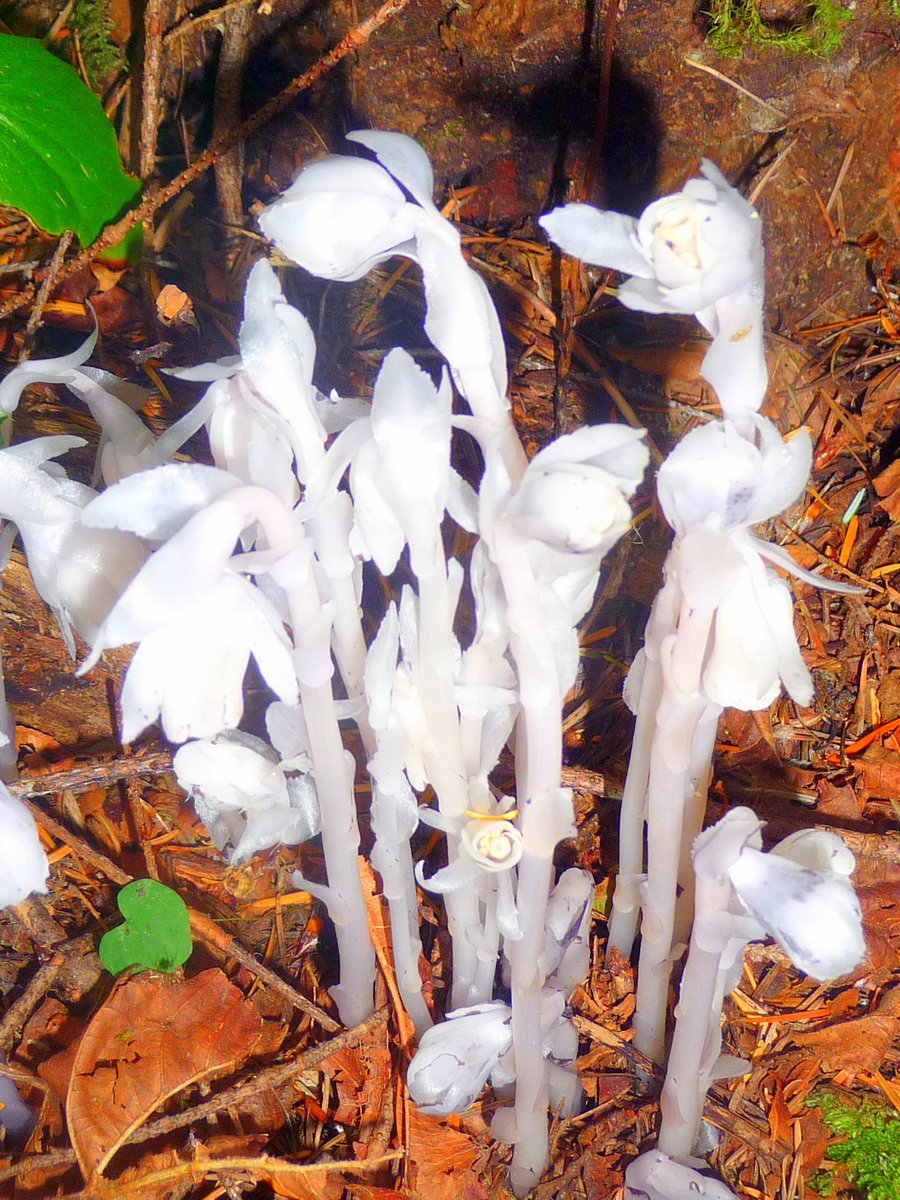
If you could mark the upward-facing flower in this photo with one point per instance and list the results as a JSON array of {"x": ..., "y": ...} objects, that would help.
[{"x": 698, "y": 251}]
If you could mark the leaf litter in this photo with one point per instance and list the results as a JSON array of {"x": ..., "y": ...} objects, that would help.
[{"x": 342, "y": 1125}]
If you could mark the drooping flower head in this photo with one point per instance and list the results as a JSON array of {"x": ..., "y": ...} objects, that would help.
[{"x": 342, "y": 216}]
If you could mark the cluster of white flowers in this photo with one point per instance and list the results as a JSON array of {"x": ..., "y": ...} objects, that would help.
[
  {"x": 262, "y": 554},
  {"x": 720, "y": 634}
]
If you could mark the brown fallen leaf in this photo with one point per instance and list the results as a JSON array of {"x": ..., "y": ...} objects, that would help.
[
  {"x": 859, "y": 1045},
  {"x": 442, "y": 1160},
  {"x": 153, "y": 1036}
]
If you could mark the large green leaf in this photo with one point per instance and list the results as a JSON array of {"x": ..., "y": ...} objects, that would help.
[{"x": 58, "y": 158}]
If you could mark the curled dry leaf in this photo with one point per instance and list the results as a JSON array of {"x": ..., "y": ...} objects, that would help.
[{"x": 154, "y": 1035}]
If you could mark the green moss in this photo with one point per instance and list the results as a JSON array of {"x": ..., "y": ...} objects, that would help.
[
  {"x": 90, "y": 19},
  {"x": 735, "y": 24},
  {"x": 869, "y": 1145}
]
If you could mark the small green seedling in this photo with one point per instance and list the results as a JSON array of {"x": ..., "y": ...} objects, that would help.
[{"x": 156, "y": 935}]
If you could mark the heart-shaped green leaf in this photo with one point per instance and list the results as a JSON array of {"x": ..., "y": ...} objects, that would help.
[
  {"x": 156, "y": 935},
  {"x": 59, "y": 162}
]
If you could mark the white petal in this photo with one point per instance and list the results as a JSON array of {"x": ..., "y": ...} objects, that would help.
[
  {"x": 817, "y": 849},
  {"x": 156, "y": 504},
  {"x": 24, "y": 863},
  {"x": 735, "y": 363},
  {"x": 404, "y": 158},
  {"x": 813, "y": 915},
  {"x": 46, "y": 370},
  {"x": 606, "y": 239}
]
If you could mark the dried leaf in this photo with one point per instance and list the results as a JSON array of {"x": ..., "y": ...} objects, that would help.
[
  {"x": 153, "y": 1036},
  {"x": 442, "y": 1160},
  {"x": 859, "y": 1045}
]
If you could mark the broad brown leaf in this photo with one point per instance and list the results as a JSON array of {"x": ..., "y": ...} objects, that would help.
[
  {"x": 154, "y": 1035},
  {"x": 442, "y": 1160},
  {"x": 859, "y": 1045}
]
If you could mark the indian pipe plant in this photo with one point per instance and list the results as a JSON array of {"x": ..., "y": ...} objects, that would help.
[{"x": 261, "y": 555}]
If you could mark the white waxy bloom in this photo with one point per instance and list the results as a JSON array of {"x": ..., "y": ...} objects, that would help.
[
  {"x": 342, "y": 216},
  {"x": 698, "y": 251},
  {"x": 24, "y": 863},
  {"x": 712, "y": 487},
  {"x": 493, "y": 845},
  {"x": 79, "y": 571},
  {"x": 196, "y": 617},
  {"x": 455, "y": 1059},
  {"x": 243, "y": 796},
  {"x": 814, "y": 915},
  {"x": 573, "y": 495},
  {"x": 656, "y": 1176},
  {"x": 400, "y": 474}
]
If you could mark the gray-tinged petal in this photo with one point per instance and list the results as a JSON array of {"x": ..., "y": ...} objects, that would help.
[{"x": 606, "y": 239}]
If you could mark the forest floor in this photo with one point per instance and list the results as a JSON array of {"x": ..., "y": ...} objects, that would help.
[{"x": 522, "y": 104}]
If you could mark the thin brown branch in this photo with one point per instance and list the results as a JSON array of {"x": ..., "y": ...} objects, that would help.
[{"x": 157, "y": 197}]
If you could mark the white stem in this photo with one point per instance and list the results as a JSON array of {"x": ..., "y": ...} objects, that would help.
[
  {"x": 538, "y": 767},
  {"x": 670, "y": 786},
  {"x": 445, "y": 761},
  {"x": 697, "y": 1039},
  {"x": 626, "y": 909},
  {"x": 340, "y": 829},
  {"x": 392, "y": 858},
  {"x": 697, "y": 792}
]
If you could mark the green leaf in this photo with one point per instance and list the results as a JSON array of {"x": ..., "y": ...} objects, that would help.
[
  {"x": 59, "y": 163},
  {"x": 156, "y": 935}
]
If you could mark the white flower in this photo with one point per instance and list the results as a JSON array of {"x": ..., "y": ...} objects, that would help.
[
  {"x": 400, "y": 475},
  {"x": 79, "y": 571},
  {"x": 712, "y": 487},
  {"x": 698, "y": 251},
  {"x": 814, "y": 915},
  {"x": 126, "y": 444},
  {"x": 24, "y": 863},
  {"x": 342, "y": 216},
  {"x": 197, "y": 618},
  {"x": 812, "y": 912},
  {"x": 16, "y": 1118},
  {"x": 656, "y": 1176},
  {"x": 572, "y": 497},
  {"x": 243, "y": 796},
  {"x": 455, "y": 1059}
]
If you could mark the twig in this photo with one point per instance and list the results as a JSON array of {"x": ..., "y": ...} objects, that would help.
[
  {"x": 38, "y": 986},
  {"x": 157, "y": 197},
  {"x": 43, "y": 295},
  {"x": 699, "y": 66},
  {"x": 91, "y": 775},
  {"x": 271, "y": 1077}
]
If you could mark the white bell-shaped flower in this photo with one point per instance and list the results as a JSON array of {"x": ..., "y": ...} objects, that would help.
[
  {"x": 814, "y": 915},
  {"x": 342, "y": 216},
  {"x": 243, "y": 796},
  {"x": 656, "y": 1176},
  {"x": 455, "y": 1059},
  {"x": 79, "y": 571},
  {"x": 713, "y": 486},
  {"x": 24, "y": 863},
  {"x": 698, "y": 251},
  {"x": 196, "y": 617}
]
